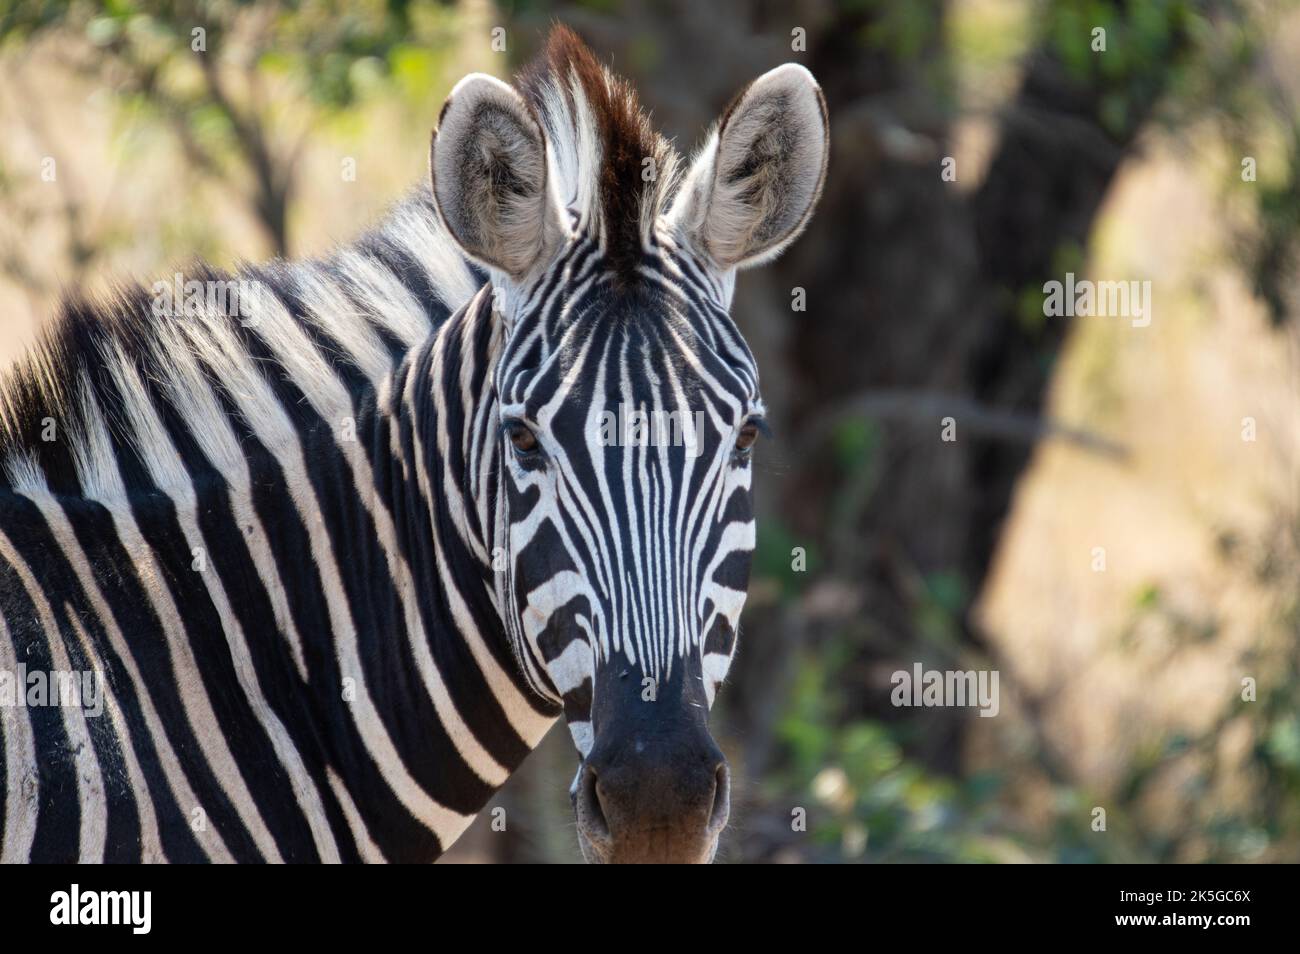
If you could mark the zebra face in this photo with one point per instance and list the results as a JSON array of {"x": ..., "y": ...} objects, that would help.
[
  {"x": 626, "y": 411},
  {"x": 627, "y": 473}
]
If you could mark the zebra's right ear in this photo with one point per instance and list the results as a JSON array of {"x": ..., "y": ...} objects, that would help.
[{"x": 488, "y": 163}]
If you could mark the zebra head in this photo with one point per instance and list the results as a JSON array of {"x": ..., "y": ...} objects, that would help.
[{"x": 625, "y": 411}]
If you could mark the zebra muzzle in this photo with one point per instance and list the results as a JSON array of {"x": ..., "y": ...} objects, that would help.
[{"x": 640, "y": 806}]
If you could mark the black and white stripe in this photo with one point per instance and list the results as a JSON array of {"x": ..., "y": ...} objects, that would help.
[
  {"x": 332, "y": 683},
  {"x": 332, "y": 607}
]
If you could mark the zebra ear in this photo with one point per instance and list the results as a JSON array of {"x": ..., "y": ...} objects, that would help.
[
  {"x": 752, "y": 188},
  {"x": 488, "y": 163}
]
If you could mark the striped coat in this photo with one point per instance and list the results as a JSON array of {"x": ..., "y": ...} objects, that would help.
[
  {"x": 237, "y": 527},
  {"x": 299, "y": 563}
]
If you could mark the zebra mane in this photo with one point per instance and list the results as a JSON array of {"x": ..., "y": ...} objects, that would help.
[
  {"x": 110, "y": 381},
  {"x": 112, "y": 384},
  {"x": 599, "y": 140}
]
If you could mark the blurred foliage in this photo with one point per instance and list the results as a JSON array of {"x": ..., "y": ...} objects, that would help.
[
  {"x": 870, "y": 802},
  {"x": 1134, "y": 37},
  {"x": 873, "y": 803},
  {"x": 333, "y": 49},
  {"x": 210, "y": 71}
]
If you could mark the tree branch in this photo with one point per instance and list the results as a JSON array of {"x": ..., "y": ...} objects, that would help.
[{"x": 930, "y": 407}]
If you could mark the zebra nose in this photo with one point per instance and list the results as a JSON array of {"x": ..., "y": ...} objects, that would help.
[{"x": 654, "y": 810}]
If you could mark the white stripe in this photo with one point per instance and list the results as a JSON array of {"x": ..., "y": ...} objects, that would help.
[
  {"x": 177, "y": 783},
  {"x": 91, "y": 798},
  {"x": 151, "y": 850},
  {"x": 22, "y": 783},
  {"x": 366, "y": 846}
]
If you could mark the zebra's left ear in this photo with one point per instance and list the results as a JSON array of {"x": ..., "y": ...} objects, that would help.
[{"x": 751, "y": 189}]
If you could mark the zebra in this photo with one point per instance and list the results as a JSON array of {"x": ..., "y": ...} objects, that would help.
[{"x": 338, "y": 558}]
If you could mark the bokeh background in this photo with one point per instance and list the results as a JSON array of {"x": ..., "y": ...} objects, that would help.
[{"x": 1116, "y": 528}]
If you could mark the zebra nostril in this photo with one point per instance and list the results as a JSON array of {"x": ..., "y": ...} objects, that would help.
[
  {"x": 593, "y": 815},
  {"x": 721, "y": 800}
]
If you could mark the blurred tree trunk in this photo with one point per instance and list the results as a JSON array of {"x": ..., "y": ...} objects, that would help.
[{"x": 915, "y": 285}]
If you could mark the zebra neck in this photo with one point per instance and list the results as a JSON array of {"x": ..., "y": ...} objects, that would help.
[
  {"x": 277, "y": 556},
  {"x": 470, "y": 714}
]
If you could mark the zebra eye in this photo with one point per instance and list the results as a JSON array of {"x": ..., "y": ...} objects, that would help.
[
  {"x": 748, "y": 434},
  {"x": 523, "y": 439}
]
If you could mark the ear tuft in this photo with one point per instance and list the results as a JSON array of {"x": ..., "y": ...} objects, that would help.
[
  {"x": 488, "y": 163},
  {"x": 752, "y": 189}
]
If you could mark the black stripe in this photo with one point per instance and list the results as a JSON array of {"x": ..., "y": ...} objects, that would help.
[
  {"x": 115, "y": 577},
  {"x": 397, "y": 689},
  {"x": 122, "y": 835},
  {"x": 323, "y": 709},
  {"x": 409, "y": 271},
  {"x": 46, "y": 559},
  {"x": 292, "y": 701},
  {"x": 471, "y": 578},
  {"x": 58, "y": 822}
]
